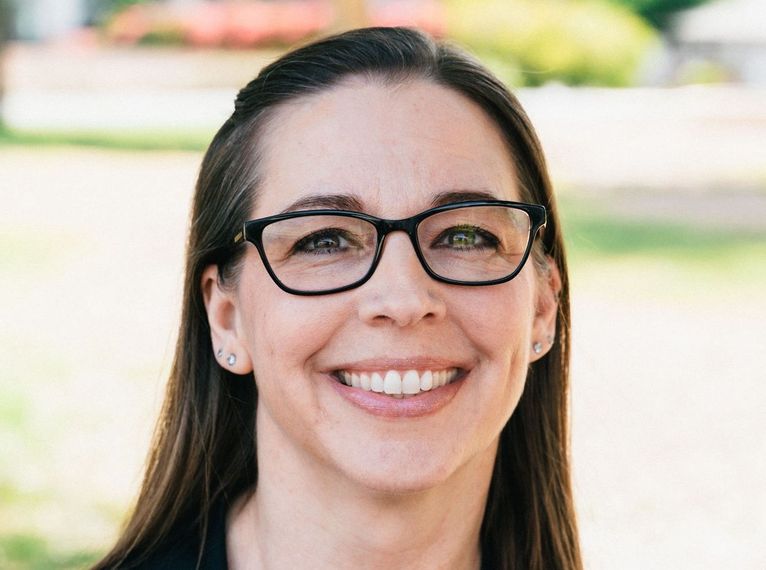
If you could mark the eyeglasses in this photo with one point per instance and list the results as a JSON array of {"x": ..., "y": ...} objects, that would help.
[{"x": 316, "y": 252}]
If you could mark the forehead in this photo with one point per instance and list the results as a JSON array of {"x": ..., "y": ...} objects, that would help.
[{"x": 391, "y": 147}]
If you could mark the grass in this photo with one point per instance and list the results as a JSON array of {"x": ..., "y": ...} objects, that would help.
[
  {"x": 678, "y": 262},
  {"x": 138, "y": 140},
  {"x": 592, "y": 230},
  {"x": 600, "y": 236}
]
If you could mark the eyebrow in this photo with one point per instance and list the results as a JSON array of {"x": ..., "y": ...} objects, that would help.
[
  {"x": 452, "y": 196},
  {"x": 351, "y": 202},
  {"x": 326, "y": 202}
]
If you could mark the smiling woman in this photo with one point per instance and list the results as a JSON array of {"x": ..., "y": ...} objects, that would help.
[{"x": 372, "y": 364}]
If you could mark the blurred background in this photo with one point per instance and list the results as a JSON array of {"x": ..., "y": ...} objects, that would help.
[{"x": 653, "y": 117}]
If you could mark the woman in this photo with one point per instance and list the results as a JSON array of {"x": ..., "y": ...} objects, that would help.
[{"x": 368, "y": 372}]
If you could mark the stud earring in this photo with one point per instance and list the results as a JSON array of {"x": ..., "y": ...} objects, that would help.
[
  {"x": 232, "y": 360},
  {"x": 219, "y": 354},
  {"x": 550, "y": 339},
  {"x": 537, "y": 347}
]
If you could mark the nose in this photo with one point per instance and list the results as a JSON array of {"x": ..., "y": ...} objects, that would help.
[{"x": 400, "y": 292}]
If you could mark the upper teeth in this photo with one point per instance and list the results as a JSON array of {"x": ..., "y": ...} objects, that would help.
[{"x": 398, "y": 383}]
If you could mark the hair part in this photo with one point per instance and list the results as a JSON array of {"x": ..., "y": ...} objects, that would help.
[{"x": 204, "y": 445}]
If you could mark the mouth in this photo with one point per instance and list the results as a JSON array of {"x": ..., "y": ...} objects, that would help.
[{"x": 400, "y": 384}]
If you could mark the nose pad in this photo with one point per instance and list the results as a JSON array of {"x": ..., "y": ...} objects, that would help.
[{"x": 400, "y": 291}]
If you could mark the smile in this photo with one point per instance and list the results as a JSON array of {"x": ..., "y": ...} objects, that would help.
[{"x": 398, "y": 384}]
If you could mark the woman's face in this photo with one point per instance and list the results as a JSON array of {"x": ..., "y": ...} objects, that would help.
[{"x": 392, "y": 150}]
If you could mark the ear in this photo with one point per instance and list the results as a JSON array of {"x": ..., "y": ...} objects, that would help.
[
  {"x": 228, "y": 347},
  {"x": 547, "y": 308}
]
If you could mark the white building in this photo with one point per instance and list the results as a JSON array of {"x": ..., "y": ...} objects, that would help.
[
  {"x": 48, "y": 19},
  {"x": 727, "y": 33}
]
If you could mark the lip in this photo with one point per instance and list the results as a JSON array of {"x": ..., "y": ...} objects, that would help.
[
  {"x": 384, "y": 406},
  {"x": 423, "y": 404}
]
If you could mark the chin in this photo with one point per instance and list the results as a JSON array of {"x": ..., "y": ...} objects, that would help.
[
  {"x": 401, "y": 469},
  {"x": 413, "y": 483}
]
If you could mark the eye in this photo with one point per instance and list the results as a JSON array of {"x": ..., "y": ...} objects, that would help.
[
  {"x": 326, "y": 241},
  {"x": 465, "y": 238}
]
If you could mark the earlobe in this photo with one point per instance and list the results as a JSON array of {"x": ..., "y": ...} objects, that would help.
[
  {"x": 546, "y": 311},
  {"x": 227, "y": 343}
]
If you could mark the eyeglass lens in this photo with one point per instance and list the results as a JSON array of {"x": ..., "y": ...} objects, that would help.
[{"x": 324, "y": 252}]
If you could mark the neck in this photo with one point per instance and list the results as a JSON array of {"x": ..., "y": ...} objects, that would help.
[{"x": 305, "y": 515}]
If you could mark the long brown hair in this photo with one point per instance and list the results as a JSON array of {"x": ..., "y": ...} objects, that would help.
[{"x": 204, "y": 446}]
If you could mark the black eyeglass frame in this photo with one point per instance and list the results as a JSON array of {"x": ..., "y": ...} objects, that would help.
[{"x": 252, "y": 231}]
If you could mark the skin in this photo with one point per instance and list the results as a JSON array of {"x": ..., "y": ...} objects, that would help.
[{"x": 357, "y": 489}]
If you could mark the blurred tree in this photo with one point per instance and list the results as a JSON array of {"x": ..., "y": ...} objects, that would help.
[
  {"x": 6, "y": 29},
  {"x": 659, "y": 12},
  {"x": 533, "y": 42}
]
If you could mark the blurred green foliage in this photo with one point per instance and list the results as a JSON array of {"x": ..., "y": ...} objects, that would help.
[
  {"x": 659, "y": 12},
  {"x": 532, "y": 42},
  {"x": 116, "y": 5},
  {"x": 32, "y": 552},
  {"x": 168, "y": 35}
]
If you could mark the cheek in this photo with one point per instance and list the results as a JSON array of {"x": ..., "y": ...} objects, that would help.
[
  {"x": 284, "y": 331},
  {"x": 499, "y": 319},
  {"x": 498, "y": 322}
]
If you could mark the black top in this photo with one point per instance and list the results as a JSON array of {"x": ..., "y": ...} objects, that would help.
[{"x": 182, "y": 552}]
